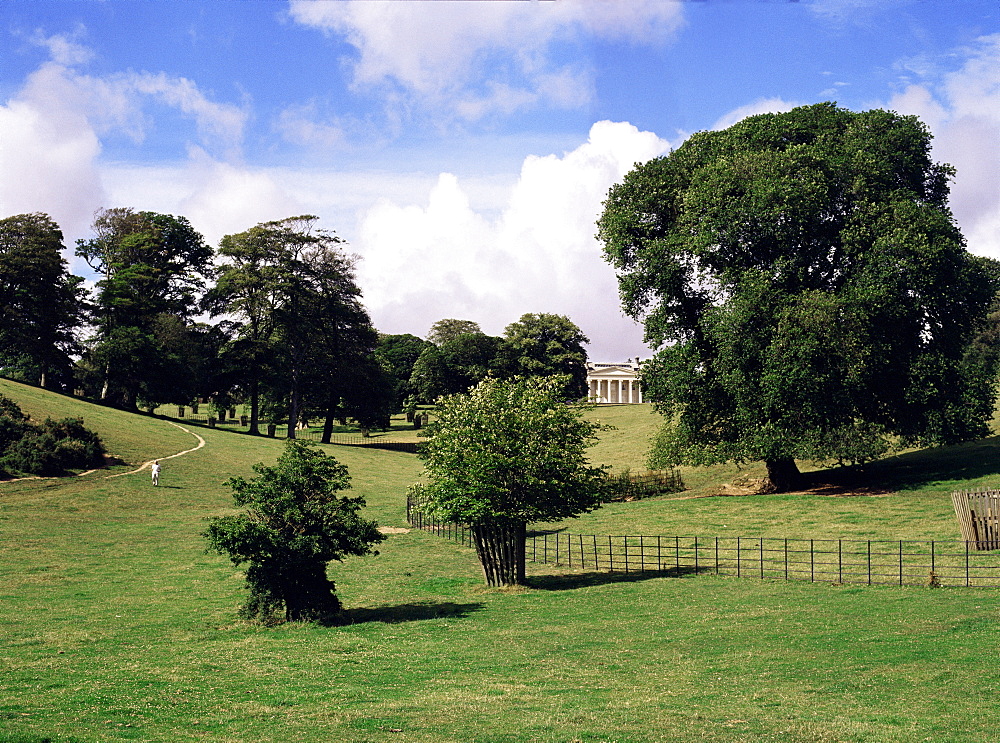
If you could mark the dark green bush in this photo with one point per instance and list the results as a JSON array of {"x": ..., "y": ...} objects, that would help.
[{"x": 51, "y": 448}]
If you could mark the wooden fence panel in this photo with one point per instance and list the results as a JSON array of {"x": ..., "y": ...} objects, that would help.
[{"x": 978, "y": 514}]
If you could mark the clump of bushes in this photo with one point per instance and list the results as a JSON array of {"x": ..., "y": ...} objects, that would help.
[{"x": 50, "y": 448}]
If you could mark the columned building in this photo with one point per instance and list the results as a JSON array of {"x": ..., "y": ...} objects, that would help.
[{"x": 614, "y": 383}]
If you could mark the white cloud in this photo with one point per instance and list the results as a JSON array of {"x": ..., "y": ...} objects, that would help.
[
  {"x": 962, "y": 109},
  {"x": 301, "y": 125},
  {"x": 760, "y": 106},
  {"x": 51, "y": 133},
  {"x": 218, "y": 198},
  {"x": 217, "y": 123},
  {"x": 65, "y": 49},
  {"x": 421, "y": 263},
  {"x": 48, "y": 153},
  {"x": 472, "y": 59}
]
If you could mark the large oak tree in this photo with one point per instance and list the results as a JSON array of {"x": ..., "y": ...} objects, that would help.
[{"x": 806, "y": 288}]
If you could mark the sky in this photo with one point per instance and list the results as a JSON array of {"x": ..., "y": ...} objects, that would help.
[{"x": 462, "y": 149}]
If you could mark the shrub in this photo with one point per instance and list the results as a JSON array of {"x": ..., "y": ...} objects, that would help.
[{"x": 48, "y": 449}]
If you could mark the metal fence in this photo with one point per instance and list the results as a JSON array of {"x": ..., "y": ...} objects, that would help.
[{"x": 871, "y": 562}]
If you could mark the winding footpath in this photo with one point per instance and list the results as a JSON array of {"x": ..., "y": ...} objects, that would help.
[{"x": 144, "y": 465}]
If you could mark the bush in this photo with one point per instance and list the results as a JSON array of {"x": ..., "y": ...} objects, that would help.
[
  {"x": 51, "y": 448},
  {"x": 293, "y": 525}
]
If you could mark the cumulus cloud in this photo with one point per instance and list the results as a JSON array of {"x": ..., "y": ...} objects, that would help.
[
  {"x": 468, "y": 60},
  {"x": 443, "y": 258},
  {"x": 962, "y": 109},
  {"x": 51, "y": 132},
  {"x": 48, "y": 152},
  {"x": 760, "y": 106},
  {"x": 219, "y": 198}
]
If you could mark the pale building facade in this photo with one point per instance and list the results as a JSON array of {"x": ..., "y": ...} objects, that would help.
[{"x": 614, "y": 383}]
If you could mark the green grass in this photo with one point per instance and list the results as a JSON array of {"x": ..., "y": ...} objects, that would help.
[{"x": 115, "y": 625}]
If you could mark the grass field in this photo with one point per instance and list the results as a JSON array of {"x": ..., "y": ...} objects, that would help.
[{"x": 115, "y": 625}]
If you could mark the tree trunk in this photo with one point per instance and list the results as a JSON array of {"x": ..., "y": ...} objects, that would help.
[
  {"x": 254, "y": 407},
  {"x": 328, "y": 425},
  {"x": 500, "y": 546},
  {"x": 783, "y": 474},
  {"x": 309, "y": 595}
]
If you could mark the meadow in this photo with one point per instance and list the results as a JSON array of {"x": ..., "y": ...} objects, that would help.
[{"x": 116, "y": 625}]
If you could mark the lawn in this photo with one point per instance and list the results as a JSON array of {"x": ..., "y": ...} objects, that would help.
[{"x": 115, "y": 625}]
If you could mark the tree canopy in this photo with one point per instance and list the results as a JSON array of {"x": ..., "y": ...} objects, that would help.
[
  {"x": 153, "y": 265},
  {"x": 300, "y": 327},
  {"x": 450, "y": 328},
  {"x": 41, "y": 304},
  {"x": 507, "y": 453},
  {"x": 807, "y": 289},
  {"x": 293, "y": 525},
  {"x": 548, "y": 345}
]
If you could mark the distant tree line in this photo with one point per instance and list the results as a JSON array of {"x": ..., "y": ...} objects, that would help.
[{"x": 272, "y": 318}]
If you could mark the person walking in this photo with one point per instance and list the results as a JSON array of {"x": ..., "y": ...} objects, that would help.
[{"x": 156, "y": 471}]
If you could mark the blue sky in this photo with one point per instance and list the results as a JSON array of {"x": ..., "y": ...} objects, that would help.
[{"x": 462, "y": 148}]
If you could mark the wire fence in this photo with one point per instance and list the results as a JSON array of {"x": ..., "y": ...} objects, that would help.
[{"x": 848, "y": 561}]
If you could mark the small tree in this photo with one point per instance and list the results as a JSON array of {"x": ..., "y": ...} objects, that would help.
[
  {"x": 293, "y": 525},
  {"x": 503, "y": 455}
]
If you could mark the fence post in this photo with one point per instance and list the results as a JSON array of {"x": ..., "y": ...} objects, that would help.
[
  {"x": 696, "y": 555},
  {"x": 869, "y": 562},
  {"x": 840, "y": 560},
  {"x": 625, "y": 550},
  {"x": 812, "y": 562},
  {"x": 762, "y": 557},
  {"x": 900, "y": 562},
  {"x": 738, "y": 552},
  {"x": 611, "y": 555},
  {"x": 967, "y": 563},
  {"x": 597, "y": 562},
  {"x": 786, "y": 558},
  {"x": 716, "y": 555}
]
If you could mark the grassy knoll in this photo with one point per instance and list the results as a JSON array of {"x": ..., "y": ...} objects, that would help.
[{"x": 115, "y": 625}]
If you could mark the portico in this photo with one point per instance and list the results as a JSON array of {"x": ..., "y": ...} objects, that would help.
[{"x": 614, "y": 383}]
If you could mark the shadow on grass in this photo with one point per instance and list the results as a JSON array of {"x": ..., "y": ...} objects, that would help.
[
  {"x": 971, "y": 461},
  {"x": 542, "y": 532},
  {"x": 414, "y": 612},
  {"x": 585, "y": 580}
]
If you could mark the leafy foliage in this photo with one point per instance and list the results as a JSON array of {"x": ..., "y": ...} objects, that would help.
[
  {"x": 456, "y": 365},
  {"x": 505, "y": 454},
  {"x": 398, "y": 354},
  {"x": 153, "y": 266},
  {"x": 807, "y": 289},
  {"x": 302, "y": 337},
  {"x": 41, "y": 304},
  {"x": 448, "y": 329},
  {"x": 548, "y": 345},
  {"x": 294, "y": 523},
  {"x": 50, "y": 448}
]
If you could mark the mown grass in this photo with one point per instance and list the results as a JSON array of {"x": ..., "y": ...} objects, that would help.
[{"x": 115, "y": 625}]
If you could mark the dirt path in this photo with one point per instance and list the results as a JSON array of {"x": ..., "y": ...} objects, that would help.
[{"x": 144, "y": 465}]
